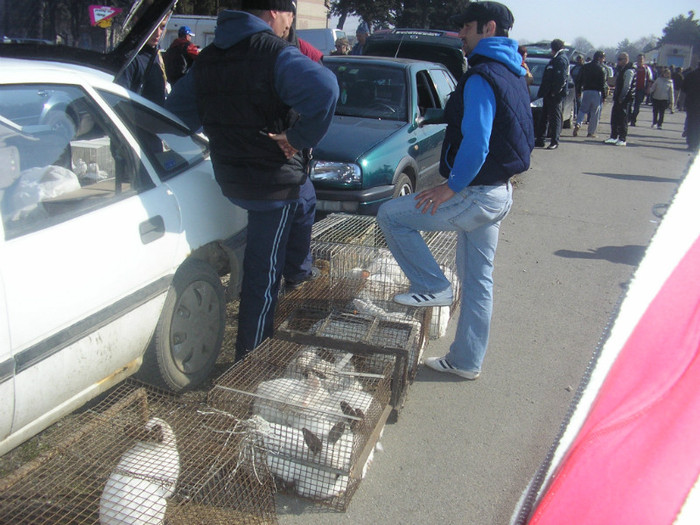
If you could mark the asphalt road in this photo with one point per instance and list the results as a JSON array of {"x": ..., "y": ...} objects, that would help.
[{"x": 461, "y": 452}]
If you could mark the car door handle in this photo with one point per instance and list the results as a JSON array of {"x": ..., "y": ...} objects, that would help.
[{"x": 152, "y": 229}]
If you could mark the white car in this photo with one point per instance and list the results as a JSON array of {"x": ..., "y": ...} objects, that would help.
[{"x": 113, "y": 240}]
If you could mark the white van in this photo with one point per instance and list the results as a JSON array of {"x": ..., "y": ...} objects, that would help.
[
  {"x": 202, "y": 26},
  {"x": 321, "y": 39}
]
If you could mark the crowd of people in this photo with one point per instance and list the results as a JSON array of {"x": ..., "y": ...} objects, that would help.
[{"x": 629, "y": 84}]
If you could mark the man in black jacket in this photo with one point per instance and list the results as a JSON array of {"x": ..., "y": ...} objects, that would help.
[
  {"x": 552, "y": 91},
  {"x": 263, "y": 105},
  {"x": 622, "y": 101},
  {"x": 592, "y": 83},
  {"x": 145, "y": 74}
]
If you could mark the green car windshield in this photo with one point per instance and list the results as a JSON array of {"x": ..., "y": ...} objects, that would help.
[{"x": 370, "y": 91}]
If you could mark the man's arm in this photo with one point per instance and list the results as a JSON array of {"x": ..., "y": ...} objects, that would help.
[
  {"x": 477, "y": 124},
  {"x": 183, "y": 101},
  {"x": 311, "y": 90}
]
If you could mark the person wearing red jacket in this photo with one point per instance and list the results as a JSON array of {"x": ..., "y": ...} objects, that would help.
[{"x": 180, "y": 55}]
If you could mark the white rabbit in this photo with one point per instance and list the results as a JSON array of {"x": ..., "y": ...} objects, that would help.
[
  {"x": 321, "y": 484},
  {"x": 145, "y": 476},
  {"x": 333, "y": 375},
  {"x": 332, "y": 452},
  {"x": 298, "y": 404},
  {"x": 282, "y": 443}
]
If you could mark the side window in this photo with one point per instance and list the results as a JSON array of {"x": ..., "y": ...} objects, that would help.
[
  {"x": 444, "y": 84},
  {"x": 59, "y": 157},
  {"x": 170, "y": 147},
  {"x": 427, "y": 96}
]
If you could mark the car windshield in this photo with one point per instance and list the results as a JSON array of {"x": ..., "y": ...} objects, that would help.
[
  {"x": 537, "y": 70},
  {"x": 371, "y": 91}
]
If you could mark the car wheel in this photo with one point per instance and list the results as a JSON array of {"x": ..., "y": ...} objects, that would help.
[
  {"x": 404, "y": 186},
  {"x": 190, "y": 330}
]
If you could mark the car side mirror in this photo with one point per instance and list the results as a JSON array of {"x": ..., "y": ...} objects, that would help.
[{"x": 431, "y": 116}]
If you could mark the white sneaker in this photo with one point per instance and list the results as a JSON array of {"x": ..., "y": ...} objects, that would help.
[
  {"x": 610, "y": 141},
  {"x": 440, "y": 364},
  {"x": 443, "y": 298},
  {"x": 620, "y": 143}
]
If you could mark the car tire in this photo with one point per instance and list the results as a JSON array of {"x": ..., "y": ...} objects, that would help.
[
  {"x": 190, "y": 331},
  {"x": 404, "y": 186}
]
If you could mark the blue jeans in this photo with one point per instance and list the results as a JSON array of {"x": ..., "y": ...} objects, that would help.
[
  {"x": 475, "y": 214},
  {"x": 591, "y": 102}
]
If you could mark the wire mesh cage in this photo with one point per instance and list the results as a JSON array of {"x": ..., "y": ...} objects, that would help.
[
  {"x": 317, "y": 411},
  {"x": 356, "y": 254},
  {"x": 397, "y": 338},
  {"x": 143, "y": 456}
]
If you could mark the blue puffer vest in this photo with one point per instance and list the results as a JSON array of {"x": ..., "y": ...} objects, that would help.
[
  {"x": 238, "y": 106},
  {"x": 512, "y": 138}
]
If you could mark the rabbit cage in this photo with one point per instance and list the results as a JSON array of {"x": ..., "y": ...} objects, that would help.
[
  {"x": 144, "y": 456},
  {"x": 354, "y": 249},
  {"x": 317, "y": 412}
]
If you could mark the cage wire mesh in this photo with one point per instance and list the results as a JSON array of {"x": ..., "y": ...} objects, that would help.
[
  {"x": 396, "y": 340},
  {"x": 355, "y": 250},
  {"x": 144, "y": 456},
  {"x": 317, "y": 411}
]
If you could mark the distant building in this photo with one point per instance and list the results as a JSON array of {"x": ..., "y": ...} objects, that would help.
[
  {"x": 676, "y": 55},
  {"x": 313, "y": 14}
]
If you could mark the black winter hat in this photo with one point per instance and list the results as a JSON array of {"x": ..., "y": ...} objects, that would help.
[
  {"x": 271, "y": 5},
  {"x": 483, "y": 12}
]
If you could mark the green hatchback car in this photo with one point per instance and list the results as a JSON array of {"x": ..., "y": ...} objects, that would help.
[{"x": 376, "y": 149}]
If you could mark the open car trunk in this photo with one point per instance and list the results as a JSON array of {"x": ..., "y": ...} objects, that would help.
[{"x": 106, "y": 36}]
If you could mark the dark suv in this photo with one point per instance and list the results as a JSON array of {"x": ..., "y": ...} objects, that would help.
[{"x": 443, "y": 47}]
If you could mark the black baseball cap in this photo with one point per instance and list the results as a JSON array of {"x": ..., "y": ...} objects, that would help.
[
  {"x": 271, "y": 5},
  {"x": 483, "y": 12}
]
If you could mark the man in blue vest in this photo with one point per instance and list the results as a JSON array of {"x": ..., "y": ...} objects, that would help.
[
  {"x": 491, "y": 101},
  {"x": 263, "y": 105}
]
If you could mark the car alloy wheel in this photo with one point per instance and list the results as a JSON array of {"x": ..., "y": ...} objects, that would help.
[{"x": 404, "y": 186}]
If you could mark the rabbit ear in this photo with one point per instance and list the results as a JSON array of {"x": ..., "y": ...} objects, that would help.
[
  {"x": 346, "y": 408},
  {"x": 312, "y": 441},
  {"x": 336, "y": 432}
]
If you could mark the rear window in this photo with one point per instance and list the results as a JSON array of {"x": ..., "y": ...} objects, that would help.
[{"x": 442, "y": 50}]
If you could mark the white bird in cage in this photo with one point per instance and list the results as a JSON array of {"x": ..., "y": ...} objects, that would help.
[{"x": 145, "y": 476}]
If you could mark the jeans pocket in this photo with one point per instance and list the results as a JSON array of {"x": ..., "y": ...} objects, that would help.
[{"x": 482, "y": 207}]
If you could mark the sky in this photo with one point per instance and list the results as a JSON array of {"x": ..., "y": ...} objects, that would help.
[{"x": 603, "y": 23}]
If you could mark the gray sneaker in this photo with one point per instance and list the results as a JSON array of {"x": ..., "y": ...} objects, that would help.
[{"x": 440, "y": 364}]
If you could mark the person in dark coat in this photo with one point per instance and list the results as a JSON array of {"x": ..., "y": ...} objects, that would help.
[
  {"x": 552, "y": 91},
  {"x": 263, "y": 104},
  {"x": 180, "y": 55},
  {"x": 145, "y": 74},
  {"x": 691, "y": 88}
]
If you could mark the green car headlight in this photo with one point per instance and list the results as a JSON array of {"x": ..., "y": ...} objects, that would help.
[{"x": 342, "y": 172}]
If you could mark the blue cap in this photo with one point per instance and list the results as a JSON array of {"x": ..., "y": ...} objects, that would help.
[
  {"x": 362, "y": 28},
  {"x": 184, "y": 31}
]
